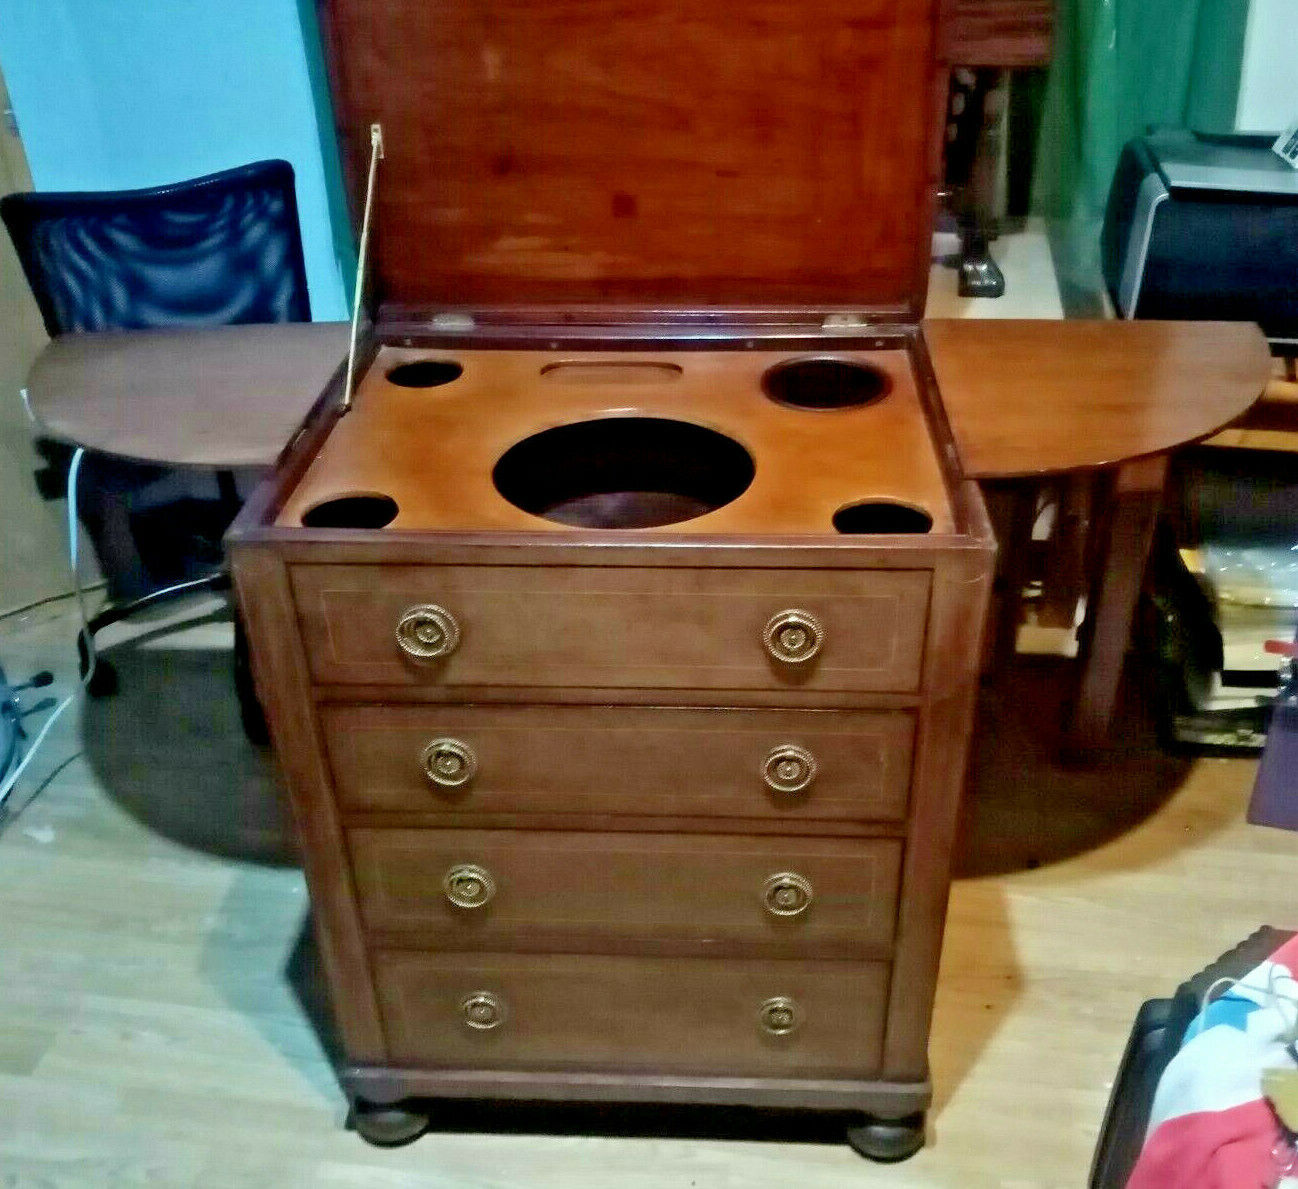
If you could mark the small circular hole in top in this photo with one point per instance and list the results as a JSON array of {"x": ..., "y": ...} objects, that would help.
[
  {"x": 425, "y": 373},
  {"x": 351, "y": 511},
  {"x": 825, "y": 384},
  {"x": 882, "y": 516}
]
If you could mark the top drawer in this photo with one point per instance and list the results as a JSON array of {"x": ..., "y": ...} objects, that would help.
[{"x": 605, "y": 627}]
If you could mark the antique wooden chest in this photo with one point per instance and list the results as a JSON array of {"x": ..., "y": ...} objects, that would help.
[{"x": 618, "y": 626}]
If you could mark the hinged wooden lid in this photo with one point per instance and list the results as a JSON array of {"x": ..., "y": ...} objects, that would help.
[{"x": 664, "y": 154}]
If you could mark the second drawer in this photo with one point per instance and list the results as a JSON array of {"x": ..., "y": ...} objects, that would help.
[
  {"x": 826, "y": 764},
  {"x": 528, "y": 889}
]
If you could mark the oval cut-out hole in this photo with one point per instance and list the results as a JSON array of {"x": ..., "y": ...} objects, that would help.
[
  {"x": 594, "y": 372},
  {"x": 425, "y": 373},
  {"x": 825, "y": 384},
  {"x": 882, "y": 516},
  {"x": 351, "y": 511},
  {"x": 623, "y": 472}
]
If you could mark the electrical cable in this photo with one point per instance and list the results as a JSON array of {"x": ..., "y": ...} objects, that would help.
[
  {"x": 74, "y": 561},
  {"x": 13, "y": 612}
]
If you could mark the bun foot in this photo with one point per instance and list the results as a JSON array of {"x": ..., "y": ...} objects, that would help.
[
  {"x": 888, "y": 1140},
  {"x": 387, "y": 1126}
]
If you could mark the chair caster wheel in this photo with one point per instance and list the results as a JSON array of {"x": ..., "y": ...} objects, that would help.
[
  {"x": 888, "y": 1140},
  {"x": 103, "y": 681},
  {"x": 387, "y": 1126}
]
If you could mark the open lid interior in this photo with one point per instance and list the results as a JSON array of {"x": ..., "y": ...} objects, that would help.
[{"x": 642, "y": 154}]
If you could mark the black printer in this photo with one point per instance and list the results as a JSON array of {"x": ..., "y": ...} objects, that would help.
[{"x": 1204, "y": 227}]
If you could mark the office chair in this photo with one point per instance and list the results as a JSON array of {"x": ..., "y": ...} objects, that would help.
[{"x": 219, "y": 250}]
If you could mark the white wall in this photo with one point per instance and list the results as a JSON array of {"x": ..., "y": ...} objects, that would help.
[
  {"x": 116, "y": 94},
  {"x": 32, "y": 549},
  {"x": 1268, "y": 91}
]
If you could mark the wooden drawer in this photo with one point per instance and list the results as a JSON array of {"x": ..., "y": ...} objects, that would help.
[
  {"x": 596, "y": 1012},
  {"x": 611, "y": 627},
  {"x": 598, "y": 888},
  {"x": 621, "y": 760}
]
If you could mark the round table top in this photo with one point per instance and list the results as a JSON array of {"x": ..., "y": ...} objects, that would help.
[
  {"x": 219, "y": 397},
  {"x": 1022, "y": 397},
  {"x": 1038, "y": 397}
]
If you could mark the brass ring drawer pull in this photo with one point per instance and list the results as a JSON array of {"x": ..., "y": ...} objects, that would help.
[
  {"x": 793, "y": 636},
  {"x": 427, "y": 632},
  {"x": 779, "y": 1016},
  {"x": 789, "y": 768},
  {"x": 449, "y": 763},
  {"x": 787, "y": 894},
  {"x": 468, "y": 886},
  {"x": 482, "y": 1011}
]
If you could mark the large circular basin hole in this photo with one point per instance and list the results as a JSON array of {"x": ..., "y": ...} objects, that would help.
[
  {"x": 882, "y": 516},
  {"x": 623, "y": 472},
  {"x": 825, "y": 384},
  {"x": 425, "y": 373},
  {"x": 351, "y": 511}
]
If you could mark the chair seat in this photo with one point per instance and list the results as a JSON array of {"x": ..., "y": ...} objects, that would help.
[{"x": 220, "y": 397}]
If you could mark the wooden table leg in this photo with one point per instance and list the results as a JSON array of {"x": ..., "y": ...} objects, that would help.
[
  {"x": 1127, "y": 531},
  {"x": 1018, "y": 500}
]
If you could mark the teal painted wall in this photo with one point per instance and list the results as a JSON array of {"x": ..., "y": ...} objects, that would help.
[{"x": 116, "y": 94}]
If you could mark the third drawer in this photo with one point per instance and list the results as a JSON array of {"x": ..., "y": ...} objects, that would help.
[
  {"x": 539, "y": 889},
  {"x": 795, "y": 764}
]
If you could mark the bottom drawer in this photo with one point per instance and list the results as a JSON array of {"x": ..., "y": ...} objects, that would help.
[{"x": 687, "y": 1016}]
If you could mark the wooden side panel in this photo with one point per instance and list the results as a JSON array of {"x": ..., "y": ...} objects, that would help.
[
  {"x": 627, "y": 889},
  {"x": 633, "y": 1014},
  {"x": 624, "y": 760},
  {"x": 961, "y": 589},
  {"x": 283, "y": 686},
  {"x": 639, "y": 628}
]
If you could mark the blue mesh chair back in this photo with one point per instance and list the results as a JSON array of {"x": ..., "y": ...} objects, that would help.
[{"x": 219, "y": 250}]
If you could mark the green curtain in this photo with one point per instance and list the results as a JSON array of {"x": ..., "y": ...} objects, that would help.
[{"x": 1119, "y": 66}]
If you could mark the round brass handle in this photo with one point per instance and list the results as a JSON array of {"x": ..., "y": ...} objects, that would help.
[
  {"x": 449, "y": 763},
  {"x": 468, "y": 886},
  {"x": 787, "y": 894},
  {"x": 789, "y": 768},
  {"x": 793, "y": 636},
  {"x": 780, "y": 1015},
  {"x": 427, "y": 632},
  {"x": 482, "y": 1011}
]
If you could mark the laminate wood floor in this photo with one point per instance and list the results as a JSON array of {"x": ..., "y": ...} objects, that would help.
[{"x": 158, "y": 1024}]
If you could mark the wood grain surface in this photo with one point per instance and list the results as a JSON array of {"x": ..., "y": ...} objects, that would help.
[
  {"x": 644, "y": 152},
  {"x": 640, "y": 628},
  {"x": 1032, "y": 397},
  {"x": 999, "y": 32},
  {"x": 618, "y": 891},
  {"x": 564, "y": 760},
  {"x": 578, "y": 1011},
  {"x": 433, "y": 450},
  {"x": 227, "y": 396}
]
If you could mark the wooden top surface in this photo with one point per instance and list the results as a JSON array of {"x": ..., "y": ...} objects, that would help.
[
  {"x": 1000, "y": 32},
  {"x": 1031, "y": 397},
  {"x": 227, "y": 396},
  {"x": 568, "y": 153},
  {"x": 433, "y": 450}
]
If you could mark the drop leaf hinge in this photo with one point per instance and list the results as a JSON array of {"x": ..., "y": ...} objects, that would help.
[{"x": 845, "y": 322}]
